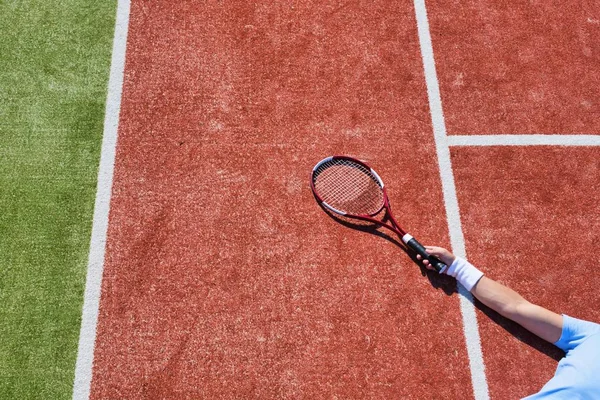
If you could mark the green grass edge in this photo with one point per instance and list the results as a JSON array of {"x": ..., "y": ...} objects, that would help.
[{"x": 55, "y": 62}]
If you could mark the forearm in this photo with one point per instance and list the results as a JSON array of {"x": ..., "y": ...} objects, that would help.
[
  {"x": 505, "y": 301},
  {"x": 512, "y": 305},
  {"x": 498, "y": 297}
]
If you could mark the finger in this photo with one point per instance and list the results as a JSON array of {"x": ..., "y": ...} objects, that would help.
[
  {"x": 434, "y": 250},
  {"x": 428, "y": 265}
]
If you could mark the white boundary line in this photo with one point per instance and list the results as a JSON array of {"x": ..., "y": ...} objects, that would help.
[
  {"x": 91, "y": 300},
  {"x": 471, "y": 331},
  {"x": 523, "y": 140},
  {"x": 87, "y": 336}
]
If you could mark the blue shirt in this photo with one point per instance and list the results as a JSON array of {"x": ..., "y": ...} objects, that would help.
[{"x": 577, "y": 376}]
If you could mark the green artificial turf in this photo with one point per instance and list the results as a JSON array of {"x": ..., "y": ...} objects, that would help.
[{"x": 54, "y": 67}]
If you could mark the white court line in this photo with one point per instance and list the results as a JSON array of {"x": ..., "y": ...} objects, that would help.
[
  {"x": 91, "y": 299},
  {"x": 523, "y": 140},
  {"x": 471, "y": 331}
]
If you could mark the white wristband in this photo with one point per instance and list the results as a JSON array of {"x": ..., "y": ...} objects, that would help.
[{"x": 465, "y": 273}]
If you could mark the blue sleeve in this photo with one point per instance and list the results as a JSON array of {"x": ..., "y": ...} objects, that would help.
[{"x": 574, "y": 332}]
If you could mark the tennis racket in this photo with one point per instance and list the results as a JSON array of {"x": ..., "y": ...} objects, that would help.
[{"x": 349, "y": 187}]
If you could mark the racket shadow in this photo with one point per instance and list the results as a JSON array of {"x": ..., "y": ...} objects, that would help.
[{"x": 442, "y": 282}]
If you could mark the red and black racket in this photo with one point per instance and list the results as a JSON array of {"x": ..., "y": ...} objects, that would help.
[{"x": 351, "y": 188}]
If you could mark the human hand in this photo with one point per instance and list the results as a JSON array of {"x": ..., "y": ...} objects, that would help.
[{"x": 444, "y": 255}]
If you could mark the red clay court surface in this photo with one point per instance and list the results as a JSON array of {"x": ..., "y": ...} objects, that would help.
[
  {"x": 224, "y": 279},
  {"x": 518, "y": 67}
]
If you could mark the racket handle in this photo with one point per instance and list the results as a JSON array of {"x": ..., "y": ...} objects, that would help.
[{"x": 435, "y": 262}]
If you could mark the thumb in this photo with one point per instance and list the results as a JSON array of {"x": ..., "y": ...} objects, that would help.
[
  {"x": 434, "y": 250},
  {"x": 441, "y": 253}
]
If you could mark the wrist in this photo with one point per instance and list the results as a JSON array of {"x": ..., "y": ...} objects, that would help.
[{"x": 464, "y": 272}]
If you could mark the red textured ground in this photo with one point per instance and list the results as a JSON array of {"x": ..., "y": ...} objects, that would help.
[
  {"x": 529, "y": 214},
  {"x": 530, "y": 221},
  {"x": 518, "y": 67},
  {"x": 223, "y": 279}
]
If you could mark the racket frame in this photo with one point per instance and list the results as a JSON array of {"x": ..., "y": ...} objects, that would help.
[{"x": 394, "y": 226}]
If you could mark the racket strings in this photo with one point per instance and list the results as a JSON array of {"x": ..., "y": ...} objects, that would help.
[{"x": 348, "y": 186}]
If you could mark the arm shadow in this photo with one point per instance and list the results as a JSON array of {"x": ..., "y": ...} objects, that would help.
[
  {"x": 521, "y": 333},
  {"x": 442, "y": 282}
]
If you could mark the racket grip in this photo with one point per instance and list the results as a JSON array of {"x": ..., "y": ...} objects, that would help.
[{"x": 414, "y": 244}]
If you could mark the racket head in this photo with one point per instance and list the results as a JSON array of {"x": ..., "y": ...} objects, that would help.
[{"x": 347, "y": 186}]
